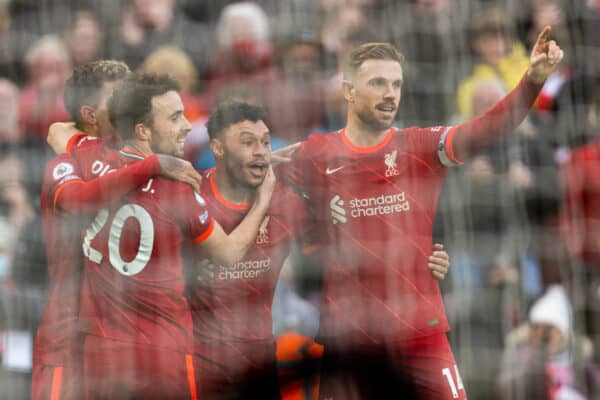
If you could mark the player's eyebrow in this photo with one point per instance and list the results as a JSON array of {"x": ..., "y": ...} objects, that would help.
[{"x": 248, "y": 133}]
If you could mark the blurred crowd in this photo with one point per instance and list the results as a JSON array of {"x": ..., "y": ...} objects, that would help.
[{"x": 521, "y": 221}]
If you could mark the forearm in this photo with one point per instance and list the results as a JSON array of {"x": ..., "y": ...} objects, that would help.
[
  {"x": 97, "y": 193},
  {"x": 239, "y": 241},
  {"x": 469, "y": 138}
]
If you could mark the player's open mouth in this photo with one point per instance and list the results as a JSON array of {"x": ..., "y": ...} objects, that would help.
[
  {"x": 386, "y": 108},
  {"x": 258, "y": 169}
]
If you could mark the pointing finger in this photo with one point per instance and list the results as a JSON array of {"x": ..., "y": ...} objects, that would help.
[{"x": 543, "y": 36}]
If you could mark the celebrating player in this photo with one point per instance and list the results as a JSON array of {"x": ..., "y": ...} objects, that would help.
[
  {"x": 231, "y": 306},
  {"x": 65, "y": 197},
  {"x": 374, "y": 189},
  {"x": 137, "y": 323}
]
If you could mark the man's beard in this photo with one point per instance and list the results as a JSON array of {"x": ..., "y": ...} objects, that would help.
[{"x": 369, "y": 120}]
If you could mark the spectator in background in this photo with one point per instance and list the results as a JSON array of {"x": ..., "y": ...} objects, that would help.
[
  {"x": 580, "y": 218},
  {"x": 149, "y": 24},
  {"x": 84, "y": 38},
  {"x": 298, "y": 75},
  {"x": 175, "y": 62},
  {"x": 544, "y": 359},
  {"x": 432, "y": 34},
  {"x": 244, "y": 51},
  {"x": 41, "y": 101},
  {"x": 498, "y": 54}
]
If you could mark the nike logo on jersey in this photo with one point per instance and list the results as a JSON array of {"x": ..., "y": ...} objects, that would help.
[{"x": 330, "y": 171}]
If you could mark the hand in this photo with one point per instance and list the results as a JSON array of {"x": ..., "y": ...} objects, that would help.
[
  {"x": 284, "y": 154},
  {"x": 545, "y": 57},
  {"x": 265, "y": 190},
  {"x": 439, "y": 262},
  {"x": 179, "y": 170},
  {"x": 59, "y": 134}
]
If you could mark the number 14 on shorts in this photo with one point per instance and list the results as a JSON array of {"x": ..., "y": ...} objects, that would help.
[{"x": 455, "y": 384}]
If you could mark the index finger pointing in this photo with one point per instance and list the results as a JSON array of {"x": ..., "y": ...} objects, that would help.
[{"x": 543, "y": 36}]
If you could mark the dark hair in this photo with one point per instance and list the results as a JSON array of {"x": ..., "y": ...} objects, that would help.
[
  {"x": 371, "y": 51},
  {"x": 85, "y": 84},
  {"x": 131, "y": 103},
  {"x": 231, "y": 112}
]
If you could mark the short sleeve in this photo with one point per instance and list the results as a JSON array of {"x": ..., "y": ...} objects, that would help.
[{"x": 192, "y": 212}]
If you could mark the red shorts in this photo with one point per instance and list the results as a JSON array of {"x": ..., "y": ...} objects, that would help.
[
  {"x": 115, "y": 370},
  {"x": 237, "y": 370},
  {"x": 422, "y": 369},
  {"x": 50, "y": 382}
]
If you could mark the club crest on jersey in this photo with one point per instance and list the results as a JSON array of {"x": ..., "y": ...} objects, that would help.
[
  {"x": 263, "y": 232},
  {"x": 390, "y": 162},
  {"x": 61, "y": 170}
]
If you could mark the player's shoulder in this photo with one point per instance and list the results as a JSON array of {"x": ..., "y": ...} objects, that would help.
[
  {"x": 320, "y": 143},
  {"x": 415, "y": 130},
  {"x": 60, "y": 166}
]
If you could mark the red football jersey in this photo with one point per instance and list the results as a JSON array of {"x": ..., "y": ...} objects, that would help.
[
  {"x": 374, "y": 212},
  {"x": 580, "y": 215},
  {"x": 234, "y": 304},
  {"x": 133, "y": 286},
  {"x": 58, "y": 327}
]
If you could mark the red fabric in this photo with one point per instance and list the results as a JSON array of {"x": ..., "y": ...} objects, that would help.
[
  {"x": 50, "y": 382},
  {"x": 231, "y": 307},
  {"x": 92, "y": 195},
  {"x": 113, "y": 369},
  {"x": 133, "y": 283},
  {"x": 374, "y": 216},
  {"x": 580, "y": 215}
]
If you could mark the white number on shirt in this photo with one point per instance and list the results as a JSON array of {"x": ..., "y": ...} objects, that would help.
[
  {"x": 146, "y": 241},
  {"x": 453, "y": 387}
]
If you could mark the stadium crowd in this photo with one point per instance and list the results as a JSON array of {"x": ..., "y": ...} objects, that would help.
[{"x": 520, "y": 220}]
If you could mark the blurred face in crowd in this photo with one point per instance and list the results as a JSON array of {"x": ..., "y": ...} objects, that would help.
[
  {"x": 547, "y": 336},
  {"x": 152, "y": 13},
  {"x": 492, "y": 45},
  {"x": 84, "y": 39},
  {"x": 9, "y": 99},
  {"x": 245, "y": 150},
  {"x": 373, "y": 93},
  {"x": 49, "y": 70},
  {"x": 169, "y": 126}
]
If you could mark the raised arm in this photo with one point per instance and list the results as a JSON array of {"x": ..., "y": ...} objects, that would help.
[
  {"x": 466, "y": 140},
  {"x": 226, "y": 249}
]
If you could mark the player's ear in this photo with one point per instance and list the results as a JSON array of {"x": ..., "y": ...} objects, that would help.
[
  {"x": 88, "y": 115},
  {"x": 143, "y": 133},
  {"x": 348, "y": 88},
  {"x": 216, "y": 146}
]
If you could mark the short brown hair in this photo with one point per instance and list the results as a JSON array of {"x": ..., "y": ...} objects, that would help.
[
  {"x": 85, "y": 84},
  {"x": 131, "y": 103},
  {"x": 371, "y": 51}
]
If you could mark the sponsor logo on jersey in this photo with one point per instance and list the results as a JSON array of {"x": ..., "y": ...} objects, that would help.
[
  {"x": 263, "y": 232},
  {"x": 356, "y": 207},
  {"x": 61, "y": 170},
  {"x": 390, "y": 162},
  {"x": 248, "y": 269},
  {"x": 330, "y": 171}
]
